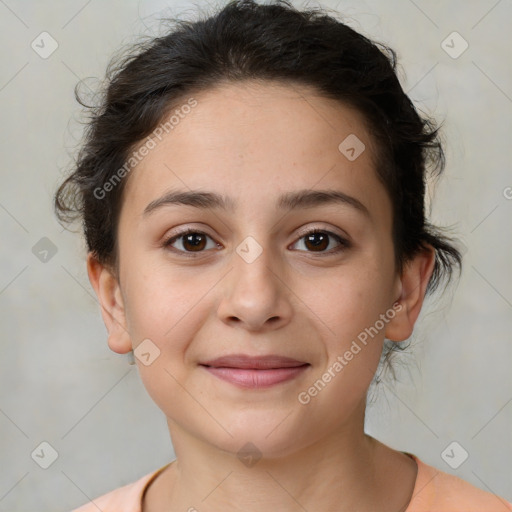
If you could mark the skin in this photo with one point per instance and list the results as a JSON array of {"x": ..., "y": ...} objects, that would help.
[{"x": 253, "y": 142}]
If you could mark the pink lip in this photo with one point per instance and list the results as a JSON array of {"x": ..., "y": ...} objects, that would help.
[{"x": 255, "y": 372}]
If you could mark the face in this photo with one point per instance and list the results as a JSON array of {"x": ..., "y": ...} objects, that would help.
[{"x": 250, "y": 278}]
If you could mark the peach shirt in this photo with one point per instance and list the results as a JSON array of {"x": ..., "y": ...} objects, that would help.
[{"x": 434, "y": 491}]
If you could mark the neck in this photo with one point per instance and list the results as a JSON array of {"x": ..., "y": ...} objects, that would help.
[{"x": 347, "y": 470}]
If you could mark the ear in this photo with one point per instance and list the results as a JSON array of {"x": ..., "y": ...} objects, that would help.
[
  {"x": 413, "y": 283},
  {"x": 107, "y": 289}
]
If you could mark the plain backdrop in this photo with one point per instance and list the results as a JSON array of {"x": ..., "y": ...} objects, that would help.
[{"x": 60, "y": 383}]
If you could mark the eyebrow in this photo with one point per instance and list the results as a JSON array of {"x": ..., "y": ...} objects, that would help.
[{"x": 295, "y": 200}]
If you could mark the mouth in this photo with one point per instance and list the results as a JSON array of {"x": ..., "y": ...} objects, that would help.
[{"x": 255, "y": 372}]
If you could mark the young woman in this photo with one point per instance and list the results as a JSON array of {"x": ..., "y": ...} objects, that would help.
[{"x": 252, "y": 195}]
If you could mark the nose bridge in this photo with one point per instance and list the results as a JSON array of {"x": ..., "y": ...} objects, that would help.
[
  {"x": 255, "y": 291},
  {"x": 255, "y": 268},
  {"x": 254, "y": 257}
]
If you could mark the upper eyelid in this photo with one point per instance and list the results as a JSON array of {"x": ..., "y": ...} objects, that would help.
[
  {"x": 302, "y": 230},
  {"x": 302, "y": 233}
]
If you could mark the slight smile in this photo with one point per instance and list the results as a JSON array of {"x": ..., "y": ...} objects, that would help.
[{"x": 255, "y": 371}]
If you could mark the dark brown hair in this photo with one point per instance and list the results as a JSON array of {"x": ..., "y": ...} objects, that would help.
[{"x": 248, "y": 41}]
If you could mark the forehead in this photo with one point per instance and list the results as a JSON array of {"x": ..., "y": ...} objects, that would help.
[{"x": 253, "y": 142}]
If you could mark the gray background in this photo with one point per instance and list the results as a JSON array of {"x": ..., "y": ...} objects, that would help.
[{"x": 59, "y": 381}]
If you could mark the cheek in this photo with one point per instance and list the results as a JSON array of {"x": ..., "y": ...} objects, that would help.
[
  {"x": 350, "y": 307},
  {"x": 347, "y": 301},
  {"x": 159, "y": 299},
  {"x": 353, "y": 342},
  {"x": 163, "y": 308},
  {"x": 170, "y": 310}
]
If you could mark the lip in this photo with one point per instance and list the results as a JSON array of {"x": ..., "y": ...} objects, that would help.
[
  {"x": 243, "y": 361},
  {"x": 255, "y": 371}
]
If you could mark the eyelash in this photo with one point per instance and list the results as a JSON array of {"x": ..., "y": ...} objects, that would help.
[{"x": 344, "y": 244}]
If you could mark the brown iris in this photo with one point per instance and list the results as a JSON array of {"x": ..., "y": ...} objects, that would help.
[
  {"x": 196, "y": 241},
  {"x": 313, "y": 238}
]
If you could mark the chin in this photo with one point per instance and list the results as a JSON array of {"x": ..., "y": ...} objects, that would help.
[{"x": 270, "y": 438}]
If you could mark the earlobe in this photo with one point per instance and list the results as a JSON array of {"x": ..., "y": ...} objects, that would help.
[
  {"x": 414, "y": 281},
  {"x": 111, "y": 303}
]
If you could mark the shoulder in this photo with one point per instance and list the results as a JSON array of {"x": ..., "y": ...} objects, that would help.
[
  {"x": 127, "y": 498},
  {"x": 439, "y": 491}
]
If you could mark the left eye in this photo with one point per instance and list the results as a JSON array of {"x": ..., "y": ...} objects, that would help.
[
  {"x": 319, "y": 240},
  {"x": 193, "y": 241}
]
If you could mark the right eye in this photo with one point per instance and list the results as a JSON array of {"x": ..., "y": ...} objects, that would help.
[{"x": 192, "y": 241}]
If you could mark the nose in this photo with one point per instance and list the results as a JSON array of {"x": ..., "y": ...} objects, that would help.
[{"x": 256, "y": 295}]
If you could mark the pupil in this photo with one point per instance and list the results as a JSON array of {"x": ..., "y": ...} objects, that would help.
[
  {"x": 192, "y": 240},
  {"x": 318, "y": 243}
]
